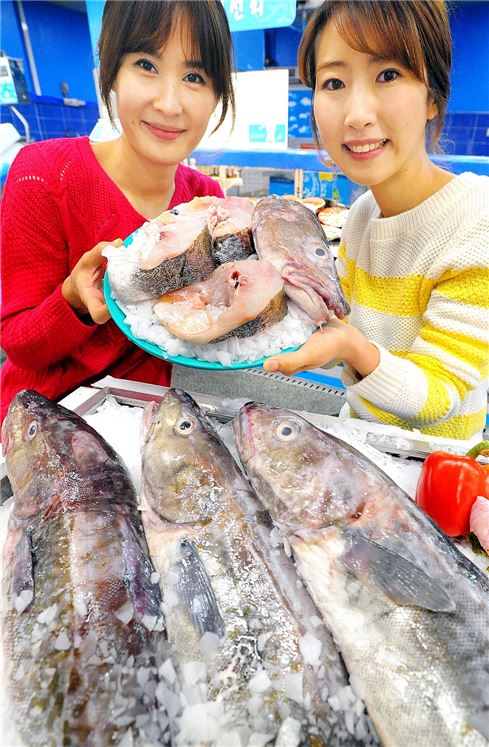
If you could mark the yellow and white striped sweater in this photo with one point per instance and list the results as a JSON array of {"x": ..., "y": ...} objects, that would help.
[{"x": 418, "y": 286}]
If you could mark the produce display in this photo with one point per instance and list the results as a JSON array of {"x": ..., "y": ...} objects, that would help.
[
  {"x": 186, "y": 616},
  {"x": 449, "y": 487},
  {"x": 197, "y": 281}
]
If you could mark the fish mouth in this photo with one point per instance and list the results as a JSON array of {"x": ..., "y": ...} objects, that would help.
[
  {"x": 243, "y": 432},
  {"x": 5, "y": 439},
  {"x": 322, "y": 295}
]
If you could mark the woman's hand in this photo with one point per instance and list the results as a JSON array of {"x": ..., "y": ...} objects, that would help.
[
  {"x": 82, "y": 289},
  {"x": 335, "y": 341}
]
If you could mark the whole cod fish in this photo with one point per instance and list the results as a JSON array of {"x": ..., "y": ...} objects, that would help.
[
  {"x": 290, "y": 236},
  {"x": 168, "y": 252},
  {"x": 239, "y": 299},
  {"x": 82, "y": 624},
  {"x": 240, "y": 621},
  {"x": 409, "y": 612}
]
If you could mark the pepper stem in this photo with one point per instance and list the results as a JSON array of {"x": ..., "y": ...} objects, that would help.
[{"x": 481, "y": 449}]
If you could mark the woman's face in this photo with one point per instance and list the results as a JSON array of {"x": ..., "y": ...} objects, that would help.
[
  {"x": 371, "y": 113},
  {"x": 164, "y": 102}
]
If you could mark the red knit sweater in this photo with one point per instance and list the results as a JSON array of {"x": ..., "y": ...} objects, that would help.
[{"x": 57, "y": 204}]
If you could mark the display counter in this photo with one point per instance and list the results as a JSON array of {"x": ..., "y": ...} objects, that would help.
[{"x": 300, "y": 160}]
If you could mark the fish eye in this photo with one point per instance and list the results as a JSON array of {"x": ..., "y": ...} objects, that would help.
[
  {"x": 286, "y": 431},
  {"x": 185, "y": 426},
  {"x": 320, "y": 252},
  {"x": 32, "y": 429}
]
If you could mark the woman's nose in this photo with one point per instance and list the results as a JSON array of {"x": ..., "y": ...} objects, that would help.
[
  {"x": 168, "y": 99},
  {"x": 360, "y": 110}
]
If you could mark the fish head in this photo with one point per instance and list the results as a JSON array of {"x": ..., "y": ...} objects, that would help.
[
  {"x": 296, "y": 469},
  {"x": 47, "y": 448},
  {"x": 288, "y": 234},
  {"x": 184, "y": 464}
]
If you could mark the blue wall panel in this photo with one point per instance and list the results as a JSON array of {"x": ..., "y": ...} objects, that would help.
[
  {"x": 11, "y": 39},
  {"x": 470, "y": 71},
  {"x": 63, "y": 51},
  {"x": 281, "y": 46},
  {"x": 61, "y": 42},
  {"x": 249, "y": 50}
]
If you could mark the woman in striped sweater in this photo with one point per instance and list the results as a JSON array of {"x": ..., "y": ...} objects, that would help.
[{"x": 414, "y": 255}]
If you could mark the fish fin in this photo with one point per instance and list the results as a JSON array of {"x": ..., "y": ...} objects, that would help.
[
  {"x": 196, "y": 593},
  {"x": 149, "y": 412},
  {"x": 22, "y": 584},
  {"x": 144, "y": 595},
  {"x": 394, "y": 576}
]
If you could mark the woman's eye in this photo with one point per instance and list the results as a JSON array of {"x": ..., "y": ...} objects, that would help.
[
  {"x": 194, "y": 78},
  {"x": 333, "y": 84},
  {"x": 145, "y": 65},
  {"x": 387, "y": 76}
]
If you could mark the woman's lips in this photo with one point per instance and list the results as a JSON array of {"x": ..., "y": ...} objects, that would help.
[
  {"x": 162, "y": 133},
  {"x": 365, "y": 151}
]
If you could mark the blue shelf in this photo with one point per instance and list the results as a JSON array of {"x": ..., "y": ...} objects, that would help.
[{"x": 296, "y": 158}]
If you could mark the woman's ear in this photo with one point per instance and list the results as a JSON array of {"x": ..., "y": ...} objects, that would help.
[{"x": 432, "y": 109}]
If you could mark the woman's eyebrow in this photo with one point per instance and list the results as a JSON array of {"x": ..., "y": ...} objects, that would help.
[
  {"x": 195, "y": 63},
  {"x": 331, "y": 63},
  {"x": 373, "y": 59}
]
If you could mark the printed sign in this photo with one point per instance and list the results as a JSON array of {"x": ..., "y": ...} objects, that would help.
[
  {"x": 261, "y": 113},
  {"x": 8, "y": 94},
  {"x": 246, "y": 15}
]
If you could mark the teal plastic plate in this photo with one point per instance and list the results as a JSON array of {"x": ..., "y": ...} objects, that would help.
[{"x": 120, "y": 319}]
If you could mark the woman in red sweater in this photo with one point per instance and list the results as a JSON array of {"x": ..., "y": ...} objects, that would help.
[{"x": 169, "y": 65}]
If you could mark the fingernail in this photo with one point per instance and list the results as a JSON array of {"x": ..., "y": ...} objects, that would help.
[{"x": 271, "y": 365}]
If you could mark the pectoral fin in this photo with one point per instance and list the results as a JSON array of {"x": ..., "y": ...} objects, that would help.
[
  {"x": 196, "y": 593},
  {"x": 22, "y": 585},
  {"x": 387, "y": 573},
  {"x": 144, "y": 595}
]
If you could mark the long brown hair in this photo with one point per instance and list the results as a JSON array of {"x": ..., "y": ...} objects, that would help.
[
  {"x": 135, "y": 26},
  {"x": 414, "y": 32}
]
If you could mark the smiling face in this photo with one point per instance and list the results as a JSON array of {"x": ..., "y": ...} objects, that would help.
[
  {"x": 164, "y": 100},
  {"x": 371, "y": 112}
]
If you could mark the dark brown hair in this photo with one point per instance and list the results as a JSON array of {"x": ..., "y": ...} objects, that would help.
[
  {"x": 414, "y": 32},
  {"x": 145, "y": 26}
]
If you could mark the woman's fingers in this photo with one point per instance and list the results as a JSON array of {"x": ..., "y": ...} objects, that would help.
[
  {"x": 93, "y": 258},
  {"x": 94, "y": 301},
  {"x": 322, "y": 347},
  {"x": 88, "y": 275}
]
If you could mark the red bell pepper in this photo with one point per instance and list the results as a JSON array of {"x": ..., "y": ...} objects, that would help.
[{"x": 448, "y": 486}]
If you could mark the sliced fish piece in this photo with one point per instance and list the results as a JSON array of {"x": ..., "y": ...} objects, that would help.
[
  {"x": 239, "y": 299},
  {"x": 239, "y": 619},
  {"x": 290, "y": 236},
  {"x": 409, "y": 612},
  {"x": 166, "y": 253},
  {"x": 229, "y": 222},
  {"x": 82, "y": 620}
]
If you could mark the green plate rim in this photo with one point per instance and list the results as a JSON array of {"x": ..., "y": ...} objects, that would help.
[{"x": 120, "y": 319}]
